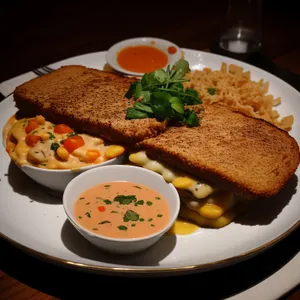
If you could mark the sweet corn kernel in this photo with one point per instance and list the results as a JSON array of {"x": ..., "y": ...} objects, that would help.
[
  {"x": 114, "y": 151},
  {"x": 91, "y": 155},
  {"x": 182, "y": 182},
  {"x": 41, "y": 120},
  {"x": 45, "y": 136},
  {"x": 62, "y": 153}
]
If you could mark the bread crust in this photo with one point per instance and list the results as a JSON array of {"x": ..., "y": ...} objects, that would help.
[
  {"x": 88, "y": 100},
  {"x": 248, "y": 156}
]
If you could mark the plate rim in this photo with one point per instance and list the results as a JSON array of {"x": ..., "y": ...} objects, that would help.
[{"x": 163, "y": 270}]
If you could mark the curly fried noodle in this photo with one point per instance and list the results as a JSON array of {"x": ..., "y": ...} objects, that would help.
[{"x": 233, "y": 87}]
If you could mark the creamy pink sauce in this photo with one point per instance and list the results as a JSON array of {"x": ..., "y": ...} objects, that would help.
[{"x": 122, "y": 210}]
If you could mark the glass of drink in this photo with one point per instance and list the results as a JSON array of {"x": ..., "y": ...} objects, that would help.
[{"x": 241, "y": 32}]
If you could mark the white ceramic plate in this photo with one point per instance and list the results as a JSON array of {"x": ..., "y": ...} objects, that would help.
[
  {"x": 161, "y": 44},
  {"x": 36, "y": 221}
]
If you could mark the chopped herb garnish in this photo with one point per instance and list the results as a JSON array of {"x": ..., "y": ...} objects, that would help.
[
  {"x": 81, "y": 198},
  {"x": 122, "y": 199},
  {"x": 133, "y": 225},
  {"x": 107, "y": 186},
  {"x": 36, "y": 151},
  {"x": 152, "y": 225},
  {"x": 211, "y": 91},
  {"x": 157, "y": 198},
  {"x": 80, "y": 217},
  {"x": 43, "y": 164},
  {"x": 159, "y": 215},
  {"x": 149, "y": 220},
  {"x": 139, "y": 202},
  {"x": 51, "y": 135},
  {"x": 131, "y": 215},
  {"x": 142, "y": 219},
  {"x": 95, "y": 229},
  {"x": 104, "y": 222},
  {"x": 54, "y": 146},
  {"x": 34, "y": 131},
  {"x": 122, "y": 227},
  {"x": 88, "y": 214},
  {"x": 114, "y": 212},
  {"x": 164, "y": 96},
  {"x": 88, "y": 203},
  {"x": 72, "y": 134},
  {"x": 106, "y": 201},
  {"x": 138, "y": 187},
  {"x": 149, "y": 203}
]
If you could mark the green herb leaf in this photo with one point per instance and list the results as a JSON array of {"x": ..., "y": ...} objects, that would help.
[
  {"x": 159, "y": 215},
  {"x": 139, "y": 202},
  {"x": 114, "y": 212},
  {"x": 123, "y": 200},
  {"x": 131, "y": 215},
  {"x": 106, "y": 201},
  {"x": 177, "y": 105},
  {"x": 81, "y": 198},
  {"x": 152, "y": 225},
  {"x": 133, "y": 113},
  {"x": 191, "y": 119},
  {"x": 149, "y": 220},
  {"x": 143, "y": 107},
  {"x": 160, "y": 75},
  {"x": 142, "y": 219},
  {"x": 80, "y": 217},
  {"x": 104, "y": 222},
  {"x": 122, "y": 227},
  {"x": 54, "y": 146},
  {"x": 107, "y": 186},
  {"x": 133, "y": 225},
  {"x": 72, "y": 134},
  {"x": 34, "y": 132},
  {"x": 157, "y": 198},
  {"x": 51, "y": 135},
  {"x": 211, "y": 91},
  {"x": 149, "y": 203},
  {"x": 95, "y": 229},
  {"x": 88, "y": 214}
]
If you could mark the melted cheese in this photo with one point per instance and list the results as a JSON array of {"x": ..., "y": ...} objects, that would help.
[
  {"x": 198, "y": 188},
  {"x": 41, "y": 155}
]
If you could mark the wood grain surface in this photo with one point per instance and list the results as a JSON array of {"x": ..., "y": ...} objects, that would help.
[{"x": 35, "y": 34}]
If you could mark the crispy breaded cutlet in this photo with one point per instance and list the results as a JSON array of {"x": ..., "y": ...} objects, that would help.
[
  {"x": 248, "y": 156},
  {"x": 88, "y": 100}
]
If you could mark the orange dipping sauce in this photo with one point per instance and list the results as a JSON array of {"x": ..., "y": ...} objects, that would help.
[
  {"x": 142, "y": 59},
  {"x": 122, "y": 210}
]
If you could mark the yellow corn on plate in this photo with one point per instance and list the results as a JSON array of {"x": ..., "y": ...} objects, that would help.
[
  {"x": 114, "y": 151},
  {"x": 182, "y": 182},
  {"x": 222, "y": 221}
]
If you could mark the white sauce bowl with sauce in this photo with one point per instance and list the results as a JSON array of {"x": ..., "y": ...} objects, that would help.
[{"x": 146, "y": 208}]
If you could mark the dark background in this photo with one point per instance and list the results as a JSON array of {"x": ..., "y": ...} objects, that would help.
[{"x": 35, "y": 33}]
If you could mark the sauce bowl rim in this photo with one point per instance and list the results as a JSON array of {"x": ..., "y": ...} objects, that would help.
[
  {"x": 173, "y": 217},
  {"x": 111, "y": 54}
]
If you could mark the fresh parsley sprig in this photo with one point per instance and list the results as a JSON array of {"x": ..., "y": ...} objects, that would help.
[{"x": 162, "y": 95}]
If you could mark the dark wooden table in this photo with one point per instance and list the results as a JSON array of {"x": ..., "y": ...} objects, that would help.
[{"x": 34, "y": 34}]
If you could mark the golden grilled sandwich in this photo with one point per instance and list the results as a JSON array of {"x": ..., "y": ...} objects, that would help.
[
  {"x": 88, "y": 100},
  {"x": 228, "y": 158}
]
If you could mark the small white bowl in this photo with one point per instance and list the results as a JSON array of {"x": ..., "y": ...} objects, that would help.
[
  {"x": 135, "y": 174},
  {"x": 163, "y": 45},
  {"x": 57, "y": 180}
]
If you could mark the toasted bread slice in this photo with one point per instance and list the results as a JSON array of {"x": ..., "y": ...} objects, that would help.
[
  {"x": 242, "y": 154},
  {"x": 89, "y": 100}
]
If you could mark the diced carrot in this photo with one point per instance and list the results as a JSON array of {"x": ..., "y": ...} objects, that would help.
[
  {"x": 62, "y": 128},
  {"x": 74, "y": 142},
  {"x": 31, "y": 139},
  {"x": 92, "y": 155},
  {"x": 101, "y": 208},
  {"x": 32, "y": 124}
]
